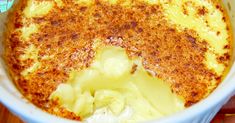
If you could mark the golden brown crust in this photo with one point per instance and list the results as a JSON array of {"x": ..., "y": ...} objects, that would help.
[{"x": 67, "y": 34}]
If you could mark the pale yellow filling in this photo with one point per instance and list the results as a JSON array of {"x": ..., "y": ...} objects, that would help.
[
  {"x": 37, "y": 9},
  {"x": 108, "y": 83},
  {"x": 210, "y": 27},
  {"x": 59, "y": 3},
  {"x": 84, "y": 2},
  {"x": 28, "y": 31},
  {"x": 30, "y": 53}
]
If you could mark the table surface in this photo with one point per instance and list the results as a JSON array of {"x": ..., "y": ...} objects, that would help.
[
  {"x": 229, "y": 108},
  {"x": 7, "y": 117}
]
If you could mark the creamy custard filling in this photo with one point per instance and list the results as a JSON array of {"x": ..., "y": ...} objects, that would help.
[
  {"x": 208, "y": 21},
  {"x": 115, "y": 82}
]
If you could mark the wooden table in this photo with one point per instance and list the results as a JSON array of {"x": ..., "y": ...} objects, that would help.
[{"x": 7, "y": 117}]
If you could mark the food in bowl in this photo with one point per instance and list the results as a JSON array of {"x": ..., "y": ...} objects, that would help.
[{"x": 121, "y": 60}]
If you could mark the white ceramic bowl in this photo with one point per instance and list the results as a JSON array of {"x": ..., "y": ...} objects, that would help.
[{"x": 201, "y": 112}]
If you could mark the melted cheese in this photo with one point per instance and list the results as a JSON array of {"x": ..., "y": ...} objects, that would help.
[
  {"x": 37, "y": 9},
  {"x": 207, "y": 26},
  {"x": 114, "y": 88}
]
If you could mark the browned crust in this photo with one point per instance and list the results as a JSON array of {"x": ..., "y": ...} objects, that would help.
[
  {"x": 13, "y": 49},
  {"x": 176, "y": 57}
]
